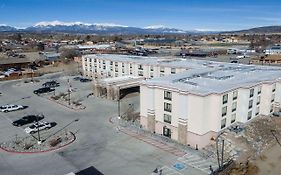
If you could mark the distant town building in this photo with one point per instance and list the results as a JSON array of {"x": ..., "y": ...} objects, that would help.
[{"x": 273, "y": 50}]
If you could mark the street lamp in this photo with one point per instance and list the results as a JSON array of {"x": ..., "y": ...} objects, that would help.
[{"x": 76, "y": 120}]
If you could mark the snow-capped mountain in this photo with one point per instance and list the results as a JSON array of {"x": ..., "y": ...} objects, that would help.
[
  {"x": 99, "y": 28},
  {"x": 5, "y": 28},
  {"x": 96, "y": 28}
]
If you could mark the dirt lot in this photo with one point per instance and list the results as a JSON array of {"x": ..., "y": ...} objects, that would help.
[{"x": 269, "y": 162}]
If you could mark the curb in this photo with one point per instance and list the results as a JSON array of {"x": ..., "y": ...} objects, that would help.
[
  {"x": 43, "y": 151},
  {"x": 49, "y": 98}
]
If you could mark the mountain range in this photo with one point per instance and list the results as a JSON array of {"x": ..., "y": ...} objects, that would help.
[
  {"x": 113, "y": 29},
  {"x": 96, "y": 28}
]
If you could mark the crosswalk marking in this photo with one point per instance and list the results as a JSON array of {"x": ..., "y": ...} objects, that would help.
[{"x": 198, "y": 162}]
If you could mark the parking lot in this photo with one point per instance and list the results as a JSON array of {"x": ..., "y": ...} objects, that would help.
[{"x": 98, "y": 142}]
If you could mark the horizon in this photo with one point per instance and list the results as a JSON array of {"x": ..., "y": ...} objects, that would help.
[
  {"x": 191, "y": 15},
  {"x": 70, "y": 23}
]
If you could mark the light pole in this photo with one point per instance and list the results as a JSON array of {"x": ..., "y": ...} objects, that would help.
[
  {"x": 220, "y": 162},
  {"x": 76, "y": 120},
  {"x": 69, "y": 91},
  {"x": 119, "y": 115}
]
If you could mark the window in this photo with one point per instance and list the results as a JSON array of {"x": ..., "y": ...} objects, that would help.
[
  {"x": 104, "y": 67},
  {"x": 235, "y": 95},
  {"x": 252, "y": 93},
  {"x": 273, "y": 87},
  {"x": 111, "y": 62},
  {"x": 140, "y": 67},
  {"x": 122, "y": 64},
  {"x": 250, "y": 104},
  {"x": 95, "y": 60},
  {"x": 167, "y": 107},
  {"x": 234, "y": 106},
  {"x": 167, "y": 118},
  {"x": 233, "y": 118},
  {"x": 167, "y": 95},
  {"x": 249, "y": 115},
  {"x": 162, "y": 69},
  {"x": 259, "y": 90},
  {"x": 130, "y": 65},
  {"x": 271, "y": 108},
  {"x": 257, "y": 110},
  {"x": 272, "y": 98},
  {"x": 151, "y": 68},
  {"x": 173, "y": 70},
  {"x": 116, "y": 69},
  {"x": 140, "y": 73},
  {"x": 223, "y": 123},
  {"x": 103, "y": 62},
  {"x": 151, "y": 75},
  {"x": 116, "y": 64},
  {"x": 224, "y": 111},
  {"x": 224, "y": 98},
  {"x": 258, "y": 100},
  {"x": 166, "y": 132}
]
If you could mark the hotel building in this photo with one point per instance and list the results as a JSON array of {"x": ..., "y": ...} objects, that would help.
[{"x": 199, "y": 98}]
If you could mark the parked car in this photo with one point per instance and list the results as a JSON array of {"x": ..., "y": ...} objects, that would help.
[
  {"x": 276, "y": 114},
  {"x": 37, "y": 127},
  {"x": 43, "y": 90},
  {"x": 84, "y": 80},
  {"x": 9, "y": 108},
  {"x": 77, "y": 78},
  {"x": 51, "y": 84},
  {"x": 27, "y": 119}
]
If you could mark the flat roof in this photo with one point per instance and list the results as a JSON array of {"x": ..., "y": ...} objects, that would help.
[
  {"x": 14, "y": 61},
  {"x": 202, "y": 77},
  {"x": 95, "y": 46},
  {"x": 157, "y": 61},
  {"x": 217, "y": 80}
]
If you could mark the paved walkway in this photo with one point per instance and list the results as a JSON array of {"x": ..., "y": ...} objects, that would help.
[
  {"x": 162, "y": 146},
  {"x": 191, "y": 159},
  {"x": 198, "y": 162}
]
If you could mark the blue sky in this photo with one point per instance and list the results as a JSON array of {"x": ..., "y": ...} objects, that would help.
[{"x": 182, "y": 14}]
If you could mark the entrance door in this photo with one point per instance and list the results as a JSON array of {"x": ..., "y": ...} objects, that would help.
[{"x": 166, "y": 132}]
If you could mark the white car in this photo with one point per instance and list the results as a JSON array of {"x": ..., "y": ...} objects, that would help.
[
  {"x": 38, "y": 127},
  {"x": 9, "y": 108}
]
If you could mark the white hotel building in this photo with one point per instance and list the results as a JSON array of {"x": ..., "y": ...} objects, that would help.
[{"x": 200, "y": 99}]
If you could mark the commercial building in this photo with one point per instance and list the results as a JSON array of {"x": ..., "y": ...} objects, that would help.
[
  {"x": 191, "y": 101},
  {"x": 193, "y": 106},
  {"x": 274, "y": 50},
  {"x": 106, "y": 65}
]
